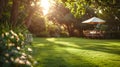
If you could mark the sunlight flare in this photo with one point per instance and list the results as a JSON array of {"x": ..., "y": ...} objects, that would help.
[{"x": 45, "y": 4}]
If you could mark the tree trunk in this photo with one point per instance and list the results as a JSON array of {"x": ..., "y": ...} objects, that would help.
[
  {"x": 28, "y": 19},
  {"x": 14, "y": 13},
  {"x": 3, "y": 3},
  {"x": 70, "y": 30}
]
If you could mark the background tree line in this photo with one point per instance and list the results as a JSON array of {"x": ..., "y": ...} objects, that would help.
[{"x": 66, "y": 16}]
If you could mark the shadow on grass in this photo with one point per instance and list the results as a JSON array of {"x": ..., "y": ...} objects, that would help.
[
  {"x": 52, "y": 55},
  {"x": 49, "y": 52},
  {"x": 107, "y": 46}
]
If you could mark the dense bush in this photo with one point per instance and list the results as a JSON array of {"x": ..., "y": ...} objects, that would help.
[
  {"x": 13, "y": 52},
  {"x": 112, "y": 34},
  {"x": 37, "y": 26}
]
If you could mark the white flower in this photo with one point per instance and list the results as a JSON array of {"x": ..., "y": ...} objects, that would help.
[
  {"x": 23, "y": 57},
  {"x": 11, "y": 44},
  {"x": 13, "y": 33},
  {"x": 3, "y": 35},
  {"x": 18, "y": 48},
  {"x": 12, "y": 37},
  {"x": 6, "y": 33},
  {"x": 28, "y": 63},
  {"x": 29, "y": 49}
]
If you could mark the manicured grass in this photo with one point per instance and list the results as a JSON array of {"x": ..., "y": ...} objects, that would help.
[{"x": 76, "y": 52}]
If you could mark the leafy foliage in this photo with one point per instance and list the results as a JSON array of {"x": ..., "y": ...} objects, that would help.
[
  {"x": 38, "y": 27},
  {"x": 77, "y": 7},
  {"x": 63, "y": 19},
  {"x": 13, "y": 51}
]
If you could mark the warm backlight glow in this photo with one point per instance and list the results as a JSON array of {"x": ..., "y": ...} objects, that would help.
[{"x": 45, "y": 4}]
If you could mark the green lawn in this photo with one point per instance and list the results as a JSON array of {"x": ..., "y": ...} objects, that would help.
[{"x": 76, "y": 52}]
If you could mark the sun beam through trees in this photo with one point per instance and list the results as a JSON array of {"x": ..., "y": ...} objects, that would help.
[{"x": 45, "y": 4}]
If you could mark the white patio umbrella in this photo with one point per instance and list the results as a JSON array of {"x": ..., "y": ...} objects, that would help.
[{"x": 94, "y": 20}]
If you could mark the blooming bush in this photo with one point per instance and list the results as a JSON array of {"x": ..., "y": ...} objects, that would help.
[{"x": 13, "y": 51}]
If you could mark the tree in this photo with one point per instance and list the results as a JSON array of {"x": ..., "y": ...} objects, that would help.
[
  {"x": 62, "y": 16},
  {"x": 78, "y": 7},
  {"x": 13, "y": 13},
  {"x": 106, "y": 9},
  {"x": 18, "y": 11},
  {"x": 37, "y": 26},
  {"x": 109, "y": 10},
  {"x": 3, "y": 4}
]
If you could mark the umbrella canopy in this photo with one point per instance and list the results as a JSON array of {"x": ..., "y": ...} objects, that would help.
[{"x": 94, "y": 20}]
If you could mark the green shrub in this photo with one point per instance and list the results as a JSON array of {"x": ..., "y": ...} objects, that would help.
[
  {"x": 43, "y": 34},
  {"x": 64, "y": 34},
  {"x": 13, "y": 52},
  {"x": 112, "y": 34}
]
